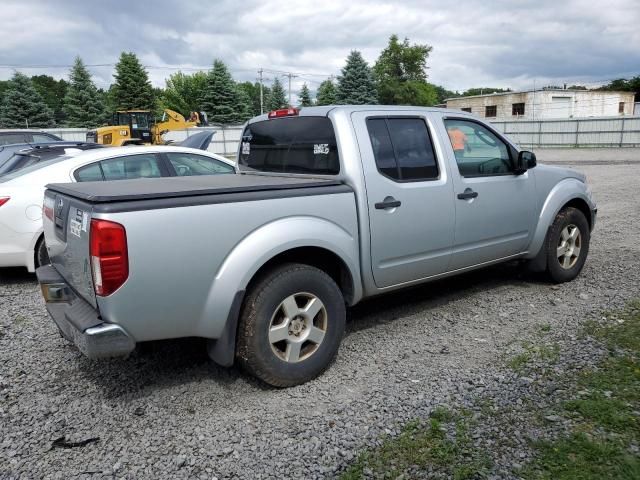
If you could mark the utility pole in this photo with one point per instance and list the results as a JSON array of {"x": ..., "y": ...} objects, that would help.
[
  {"x": 290, "y": 76},
  {"x": 261, "y": 94}
]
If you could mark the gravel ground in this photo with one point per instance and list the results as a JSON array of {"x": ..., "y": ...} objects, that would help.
[{"x": 167, "y": 411}]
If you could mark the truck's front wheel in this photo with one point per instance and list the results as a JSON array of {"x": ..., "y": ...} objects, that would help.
[
  {"x": 291, "y": 325},
  {"x": 567, "y": 245}
]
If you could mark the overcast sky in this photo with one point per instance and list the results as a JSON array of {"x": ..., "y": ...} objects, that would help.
[{"x": 501, "y": 43}]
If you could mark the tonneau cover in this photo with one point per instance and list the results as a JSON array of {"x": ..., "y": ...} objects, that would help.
[{"x": 174, "y": 187}]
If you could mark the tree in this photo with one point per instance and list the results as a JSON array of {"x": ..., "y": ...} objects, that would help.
[
  {"x": 400, "y": 74},
  {"x": 252, "y": 91},
  {"x": 442, "y": 93},
  {"x": 131, "y": 89},
  {"x": 355, "y": 85},
  {"x": 22, "y": 105},
  {"x": 82, "y": 104},
  {"x": 304, "y": 97},
  {"x": 52, "y": 92},
  {"x": 484, "y": 91},
  {"x": 624, "y": 85},
  {"x": 183, "y": 92},
  {"x": 221, "y": 98},
  {"x": 326, "y": 93},
  {"x": 277, "y": 97}
]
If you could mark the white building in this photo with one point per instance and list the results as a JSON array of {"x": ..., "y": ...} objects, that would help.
[{"x": 546, "y": 104}]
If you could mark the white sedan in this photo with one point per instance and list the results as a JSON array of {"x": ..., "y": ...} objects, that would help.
[{"x": 21, "y": 192}]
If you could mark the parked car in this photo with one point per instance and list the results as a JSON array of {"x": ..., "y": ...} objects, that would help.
[
  {"x": 334, "y": 205},
  {"x": 26, "y": 136},
  {"x": 15, "y": 157},
  {"x": 21, "y": 192}
]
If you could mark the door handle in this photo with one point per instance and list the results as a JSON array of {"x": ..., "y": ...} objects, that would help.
[
  {"x": 467, "y": 194},
  {"x": 388, "y": 202}
]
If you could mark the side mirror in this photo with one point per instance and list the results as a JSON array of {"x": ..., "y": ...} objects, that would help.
[{"x": 526, "y": 160}]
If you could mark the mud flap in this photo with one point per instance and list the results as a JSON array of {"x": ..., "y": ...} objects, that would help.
[{"x": 223, "y": 350}]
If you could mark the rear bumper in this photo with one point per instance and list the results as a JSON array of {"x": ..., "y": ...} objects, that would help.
[{"x": 79, "y": 322}]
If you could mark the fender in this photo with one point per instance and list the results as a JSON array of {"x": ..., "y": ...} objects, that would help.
[
  {"x": 260, "y": 246},
  {"x": 562, "y": 193}
]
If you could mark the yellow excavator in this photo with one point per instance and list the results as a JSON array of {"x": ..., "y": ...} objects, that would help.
[{"x": 137, "y": 127}]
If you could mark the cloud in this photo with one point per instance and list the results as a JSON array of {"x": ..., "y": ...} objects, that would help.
[{"x": 475, "y": 43}]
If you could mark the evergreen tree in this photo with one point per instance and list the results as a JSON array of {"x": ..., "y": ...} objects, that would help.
[
  {"x": 245, "y": 110},
  {"x": 326, "y": 93},
  {"x": 82, "y": 103},
  {"x": 52, "y": 92},
  {"x": 355, "y": 85},
  {"x": 277, "y": 98},
  {"x": 305, "y": 96},
  {"x": 22, "y": 105},
  {"x": 131, "y": 89},
  {"x": 221, "y": 98},
  {"x": 252, "y": 90},
  {"x": 183, "y": 92}
]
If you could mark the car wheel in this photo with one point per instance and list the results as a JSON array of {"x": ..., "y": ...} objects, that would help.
[
  {"x": 41, "y": 254},
  {"x": 567, "y": 245},
  {"x": 291, "y": 325}
]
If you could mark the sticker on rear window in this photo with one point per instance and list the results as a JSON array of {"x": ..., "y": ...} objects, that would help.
[
  {"x": 246, "y": 148},
  {"x": 75, "y": 227},
  {"x": 321, "y": 149}
]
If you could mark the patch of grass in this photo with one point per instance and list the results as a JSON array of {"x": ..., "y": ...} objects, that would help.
[
  {"x": 19, "y": 319},
  {"x": 545, "y": 328},
  {"x": 606, "y": 420},
  {"x": 531, "y": 352},
  {"x": 425, "y": 446},
  {"x": 579, "y": 457}
]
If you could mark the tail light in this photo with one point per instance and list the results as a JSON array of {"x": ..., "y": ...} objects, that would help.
[
  {"x": 47, "y": 207},
  {"x": 109, "y": 257},
  {"x": 284, "y": 112},
  {"x": 4, "y": 200}
]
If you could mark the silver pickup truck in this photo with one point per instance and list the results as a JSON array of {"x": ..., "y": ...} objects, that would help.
[{"x": 332, "y": 205}]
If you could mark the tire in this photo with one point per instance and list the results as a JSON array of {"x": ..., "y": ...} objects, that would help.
[
  {"x": 41, "y": 254},
  {"x": 567, "y": 245},
  {"x": 276, "y": 310}
]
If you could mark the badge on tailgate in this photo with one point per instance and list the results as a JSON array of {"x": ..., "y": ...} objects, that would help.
[{"x": 78, "y": 224}]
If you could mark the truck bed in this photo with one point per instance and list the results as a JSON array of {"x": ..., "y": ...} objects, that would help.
[{"x": 178, "y": 187}]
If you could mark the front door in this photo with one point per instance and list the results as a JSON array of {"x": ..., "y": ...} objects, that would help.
[
  {"x": 408, "y": 188},
  {"x": 494, "y": 206}
]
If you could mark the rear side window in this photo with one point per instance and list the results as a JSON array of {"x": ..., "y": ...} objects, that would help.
[
  {"x": 90, "y": 173},
  {"x": 9, "y": 138},
  {"x": 402, "y": 148},
  {"x": 132, "y": 166},
  {"x": 43, "y": 137},
  {"x": 188, "y": 164},
  {"x": 291, "y": 145}
]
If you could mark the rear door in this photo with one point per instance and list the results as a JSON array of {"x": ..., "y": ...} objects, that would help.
[
  {"x": 411, "y": 215},
  {"x": 494, "y": 205}
]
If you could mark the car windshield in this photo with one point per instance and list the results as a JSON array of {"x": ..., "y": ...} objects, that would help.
[{"x": 33, "y": 168}]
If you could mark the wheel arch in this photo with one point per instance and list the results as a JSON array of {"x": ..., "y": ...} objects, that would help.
[
  {"x": 569, "y": 192},
  {"x": 318, "y": 243}
]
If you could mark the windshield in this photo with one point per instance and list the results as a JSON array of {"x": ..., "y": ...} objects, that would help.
[
  {"x": 290, "y": 145},
  {"x": 32, "y": 168}
]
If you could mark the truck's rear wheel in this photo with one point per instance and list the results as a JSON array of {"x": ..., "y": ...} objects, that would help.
[
  {"x": 291, "y": 325},
  {"x": 567, "y": 245},
  {"x": 41, "y": 254}
]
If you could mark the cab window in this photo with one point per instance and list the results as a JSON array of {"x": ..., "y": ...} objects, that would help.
[
  {"x": 479, "y": 152},
  {"x": 402, "y": 148}
]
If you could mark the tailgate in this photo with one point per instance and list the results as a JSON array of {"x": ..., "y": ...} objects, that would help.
[{"x": 66, "y": 224}]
